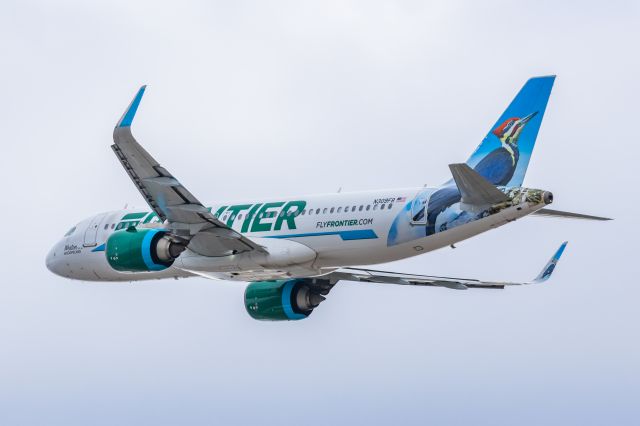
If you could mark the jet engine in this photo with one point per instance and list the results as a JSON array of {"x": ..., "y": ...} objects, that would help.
[
  {"x": 142, "y": 250},
  {"x": 284, "y": 300}
]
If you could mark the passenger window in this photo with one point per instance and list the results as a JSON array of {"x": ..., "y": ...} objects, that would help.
[
  {"x": 324, "y": 211},
  {"x": 375, "y": 207},
  {"x": 310, "y": 212},
  {"x": 360, "y": 209},
  {"x": 339, "y": 208},
  {"x": 303, "y": 212},
  {"x": 113, "y": 225},
  {"x": 106, "y": 226},
  {"x": 332, "y": 210},
  {"x": 368, "y": 207},
  {"x": 317, "y": 211}
]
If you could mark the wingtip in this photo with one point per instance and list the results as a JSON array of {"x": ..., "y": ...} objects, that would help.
[
  {"x": 561, "y": 250},
  {"x": 130, "y": 113},
  {"x": 545, "y": 274}
]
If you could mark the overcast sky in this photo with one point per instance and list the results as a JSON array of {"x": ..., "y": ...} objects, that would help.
[{"x": 257, "y": 99}]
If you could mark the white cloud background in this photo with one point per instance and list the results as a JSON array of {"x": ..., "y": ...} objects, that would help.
[{"x": 255, "y": 99}]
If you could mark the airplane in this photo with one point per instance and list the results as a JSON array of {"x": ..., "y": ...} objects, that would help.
[{"x": 293, "y": 250}]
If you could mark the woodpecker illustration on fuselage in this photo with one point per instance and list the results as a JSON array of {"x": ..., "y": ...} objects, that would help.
[{"x": 293, "y": 250}]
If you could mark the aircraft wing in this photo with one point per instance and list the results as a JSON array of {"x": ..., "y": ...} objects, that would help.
[
  {"x": 185, "y": 216},
  {"x": 375, "y": 276}
]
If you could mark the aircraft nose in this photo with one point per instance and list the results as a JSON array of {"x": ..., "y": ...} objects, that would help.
[{"x": 52, "y": 260}]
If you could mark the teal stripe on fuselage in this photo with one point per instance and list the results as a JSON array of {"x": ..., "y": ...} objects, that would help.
[{"x": 358, "y": 234}]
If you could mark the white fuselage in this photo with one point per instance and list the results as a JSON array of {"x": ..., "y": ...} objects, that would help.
[{"x": 333, "y": 230}]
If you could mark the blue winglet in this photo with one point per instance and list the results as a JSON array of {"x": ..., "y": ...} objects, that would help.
[
  {"x": 551, "y": 265},
  {"x": 127, "y": 118}
]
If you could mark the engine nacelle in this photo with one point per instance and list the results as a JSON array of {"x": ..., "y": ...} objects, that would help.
[
  {"x": 141, "y": 250},
  {"x": 284, "y": 300}
]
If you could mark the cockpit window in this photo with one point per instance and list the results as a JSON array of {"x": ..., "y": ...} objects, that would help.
[{"x": 71, "y": 231}]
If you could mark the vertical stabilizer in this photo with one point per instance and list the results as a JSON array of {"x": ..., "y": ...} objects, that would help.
[{"x": 503, "y": 156}]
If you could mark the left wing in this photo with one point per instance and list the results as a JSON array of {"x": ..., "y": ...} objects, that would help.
[
  {"x": 185, "y": 216},
  {"x": 374, "y": 276}
]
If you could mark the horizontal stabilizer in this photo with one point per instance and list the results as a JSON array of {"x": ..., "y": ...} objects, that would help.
[
  {"x": 474, "y": 189},
  {"x": 567, "y": 215}
]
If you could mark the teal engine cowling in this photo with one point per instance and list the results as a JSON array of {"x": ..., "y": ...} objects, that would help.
[
  {"x": 142, "y": 250},
  {"x": 284, "y": 300}
]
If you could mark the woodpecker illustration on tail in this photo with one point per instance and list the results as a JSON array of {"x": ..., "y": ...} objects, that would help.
[{"x": 500, "y": 164}]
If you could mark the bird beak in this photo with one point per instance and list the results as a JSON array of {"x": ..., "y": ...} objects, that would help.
[{"x": 528, "y": 117}]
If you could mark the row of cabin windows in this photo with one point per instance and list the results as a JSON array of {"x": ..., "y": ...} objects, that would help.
[
  {"x": 310, "y": 212},
  {"x": 329, "y": 210},
  {"x": 121, "y": 225}
]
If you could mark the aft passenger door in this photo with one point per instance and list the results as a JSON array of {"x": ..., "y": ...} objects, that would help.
[
  {"x": 419, "y": 209},
  {"x": 91, "y": 233}
]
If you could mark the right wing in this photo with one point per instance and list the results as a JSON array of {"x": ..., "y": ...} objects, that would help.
[
  {"x": 384, "y": 277},
  {"x": 186, "y": 218}
]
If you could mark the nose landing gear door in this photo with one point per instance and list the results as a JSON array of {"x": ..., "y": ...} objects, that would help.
[{"x": 91, "y": 233}]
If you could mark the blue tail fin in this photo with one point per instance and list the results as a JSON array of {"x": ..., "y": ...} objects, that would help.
[{"x": 503, "y": 156}]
